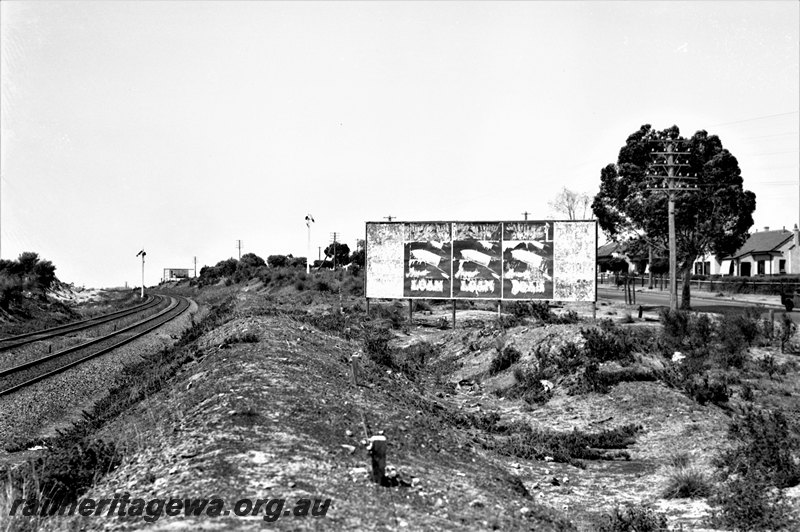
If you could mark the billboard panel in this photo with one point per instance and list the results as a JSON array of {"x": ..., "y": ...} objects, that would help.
[
  {"x": 477, "y": 261},
  {"x": 547, "y": 260},
  {"x": 528, "y": 260},
  {"x": 384, "y": 261},
  {"x": 427, "y": 255},
  {"x": 574, "y": 259}
]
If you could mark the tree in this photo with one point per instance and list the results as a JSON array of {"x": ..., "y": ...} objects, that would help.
[
  {"x": 714, "y": 218},
  {"x": 342, "y": 253},
  {"x": 357, "y": 257},
  {"x": 573, "y": 205},
  {"x": 251, "y": 260},
  {"x": 277, "y": 261}
]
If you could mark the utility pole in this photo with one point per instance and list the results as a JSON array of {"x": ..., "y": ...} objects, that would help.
[
  {"x": 525, "y": 214},
  {"x": 142, "y": 253},
  {"x": 195, "y": 266},
  {"x": 333, "y": 236},
  {"x": 239, "y": 247},
  {"x": 667, "y": 166},
  {"x": 390, "y": 217},
  {"x": 309, "y": 221}
]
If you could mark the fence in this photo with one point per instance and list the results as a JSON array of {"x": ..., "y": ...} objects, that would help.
[{"x": 736, "y": 285}]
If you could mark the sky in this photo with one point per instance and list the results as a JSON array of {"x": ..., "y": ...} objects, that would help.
[{"x": 184, "y": 127}]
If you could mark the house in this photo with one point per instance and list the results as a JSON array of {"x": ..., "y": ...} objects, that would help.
[
  {"x": 763, "y": 253},
  {"x": 612, "y": 252}
]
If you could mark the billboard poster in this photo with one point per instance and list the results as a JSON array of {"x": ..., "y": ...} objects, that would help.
[
  {"x": 574, "y": 257},
  {"x": 384, "y": 260},
  {"x": 521, "y": 260},
  {"x": 528, "y": 260},
  {"x": 477, "y": 259},
  {"x": 427, "y": 256}
]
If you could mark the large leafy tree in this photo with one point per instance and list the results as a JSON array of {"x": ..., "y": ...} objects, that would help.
[
  {"x": 342, "y": 252},
  {"x": 712, "y": 218}
]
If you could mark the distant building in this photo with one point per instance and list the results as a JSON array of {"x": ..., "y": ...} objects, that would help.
[
  {"x": 764, "y": 253},
  {"x": 175, "y": 274}
]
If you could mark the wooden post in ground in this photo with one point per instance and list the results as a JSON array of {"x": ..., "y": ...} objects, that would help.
[
  {"x": 354, "y": 363},
  {"x": 594, "y": 310},
  {"x": 410, "y": 311},
  {"x": 771, "y": 321},
  {"x": 377, "y": 451},
  {"x": 454, "y": 314},
  {"x": 367, "y": 307}
]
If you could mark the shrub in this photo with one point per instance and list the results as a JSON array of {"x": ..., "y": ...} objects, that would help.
[
  {"x": 567, "y": 447},
  {"x": 707, "y": 388},
  {"x": 675, "y": 327},
  {"x": 749, "y": 502},
  {"x": 529, "y": 387},
  {"x": 603, "y": 346},
  {"x": 376, "y": 345},
  {"x": 786, "y": 330},
  {"x": 687, "y": 483},
  {"x": 504, "y": 359},
  {"x": 633, "y": 519},
  {"x": 765, "y": 444},
  {"x": 242, "y": 338}
]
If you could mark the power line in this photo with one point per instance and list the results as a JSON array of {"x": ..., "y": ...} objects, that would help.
[
  {"x": 764, "y": 117},
  {"x": 771, "y": 136}
]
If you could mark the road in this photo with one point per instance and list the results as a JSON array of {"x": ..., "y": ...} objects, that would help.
[{"x": 700, "y": 303}]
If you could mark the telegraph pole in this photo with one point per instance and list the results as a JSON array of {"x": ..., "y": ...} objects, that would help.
[
  {"x": 390, "y": 217},
  {"x": 525, "y": 214},
  {"x": 666, "y": 166},
  {"x": 333, "y": 236},
  {"x": 239, "y": 247}
]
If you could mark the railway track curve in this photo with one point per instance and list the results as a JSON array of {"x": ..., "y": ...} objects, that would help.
[
  {"x": 12, "y": 342},
  {"x": 23, "y": 375}
]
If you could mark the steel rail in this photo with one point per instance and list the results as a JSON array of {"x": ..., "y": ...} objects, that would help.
[
  {"x": 178, "y": 308},
  {"x": 61, "y": 330}
]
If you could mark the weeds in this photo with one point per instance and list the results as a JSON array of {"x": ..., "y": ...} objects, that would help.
[{"x": 633, "y": 519}]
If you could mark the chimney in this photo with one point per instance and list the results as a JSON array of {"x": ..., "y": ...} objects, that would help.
[
  {"x": 766, "y": 228},
  {"x": 796, "y": 236}
]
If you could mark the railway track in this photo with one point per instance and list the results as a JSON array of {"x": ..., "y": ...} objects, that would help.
[
  {"x": 22, "y": 375},
  {"x": 12, "y": 342}
]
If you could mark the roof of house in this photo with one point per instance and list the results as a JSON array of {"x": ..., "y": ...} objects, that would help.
[
  {"x": 607, "y": 250},
  {"x": 763, "y": 242}
]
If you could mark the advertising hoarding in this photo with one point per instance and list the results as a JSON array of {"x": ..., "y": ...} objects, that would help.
[{"x": 546, "y": 260}]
